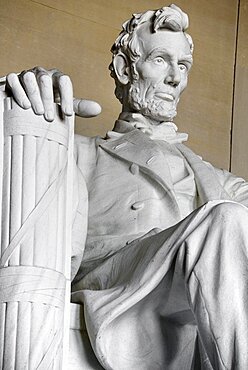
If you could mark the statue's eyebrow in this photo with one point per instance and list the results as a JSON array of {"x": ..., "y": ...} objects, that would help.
[
  {"x": 157, "y": 51},
  {"x": 187, "y": 58},
  {"x": 164, "y": 52}
]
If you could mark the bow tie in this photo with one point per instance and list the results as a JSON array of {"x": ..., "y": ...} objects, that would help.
[{"x": 166, "y": 131}]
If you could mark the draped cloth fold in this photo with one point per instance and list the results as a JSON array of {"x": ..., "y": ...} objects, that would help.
[{"x": 176, "y": 299}]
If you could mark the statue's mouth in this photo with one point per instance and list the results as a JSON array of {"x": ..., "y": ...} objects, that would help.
[{"x": 165, "y": 96}]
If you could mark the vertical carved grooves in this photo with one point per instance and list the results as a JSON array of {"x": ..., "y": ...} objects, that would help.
[
  {"x": 6, "y": 192},
  {"x": 2, "y": 332},
  {"x": 11, "y": 223},
  {"x": 10, "y": 335},
  {"x": 13, "y": 308},
  {"x": 23, "y": 334},
  {"x": 31, "y": 332},
  {"x": 6, "y": 170},
  {"x": 41, "y": 334},
  {"x": 47, "y": 246},
  {"x": 42, "y": 182},
  {"x": 53, "y": 210},
  {"x": 16, "y": 194},
  {"x": 28, "y": 195},
  {"x": 61, "y": 216},
  {"x": 26, "y": 248},
  {"x": 38, "y": 312}
]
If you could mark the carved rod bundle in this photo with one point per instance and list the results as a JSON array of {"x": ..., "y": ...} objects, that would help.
[{"x": 36, "y": 161}]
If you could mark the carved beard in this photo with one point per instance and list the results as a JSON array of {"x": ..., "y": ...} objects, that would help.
[{"x": 142, "y": 99}]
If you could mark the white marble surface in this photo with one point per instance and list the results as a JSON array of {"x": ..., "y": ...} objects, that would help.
[
  {"x": 81, "y": 355},
  {"x": 166, "y": 243}
]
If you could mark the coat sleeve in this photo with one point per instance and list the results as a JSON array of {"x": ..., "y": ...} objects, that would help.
[
  {"x": 235, "y": 186},
  {"x": 85, "y": 154},
  {"x": 80, "y": 212},
  {"x": 80, "y": 220}
]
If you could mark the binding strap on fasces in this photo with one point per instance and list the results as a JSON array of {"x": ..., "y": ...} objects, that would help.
[{"x": 34, "y": 216}]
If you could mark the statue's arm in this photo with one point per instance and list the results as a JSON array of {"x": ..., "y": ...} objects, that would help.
[{"x": 235, "y": 186}]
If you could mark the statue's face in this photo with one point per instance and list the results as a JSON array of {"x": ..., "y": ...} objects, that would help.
[{"x": 163, "y": 73}]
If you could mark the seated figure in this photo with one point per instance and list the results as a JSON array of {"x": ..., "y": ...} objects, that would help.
[{"x": 160, "y": 237}]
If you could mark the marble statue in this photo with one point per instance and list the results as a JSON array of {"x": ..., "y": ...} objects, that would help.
[{"x": 159, "y": 237}]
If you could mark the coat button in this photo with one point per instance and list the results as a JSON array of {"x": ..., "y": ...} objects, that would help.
[
  {"x": 119, "y": 146},
  {"x": 137, "y": 206},
  {"x": 150, "y": 160},
  {"x": 134, "y": 169}
]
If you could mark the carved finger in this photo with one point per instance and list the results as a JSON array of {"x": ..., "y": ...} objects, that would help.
[
  {"x": 33, "y": 92},
  {"x": 17, "y": 90},
  {"x": 46, "y": 92},
  {"x": 66, "y": 94},
  {"x": 86, "y": 108}
]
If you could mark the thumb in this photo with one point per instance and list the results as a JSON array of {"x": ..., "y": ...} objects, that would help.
[{"x": 86, "y": 108}]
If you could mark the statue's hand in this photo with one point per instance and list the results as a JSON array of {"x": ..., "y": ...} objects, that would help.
[{"x": 39, "y": 88}]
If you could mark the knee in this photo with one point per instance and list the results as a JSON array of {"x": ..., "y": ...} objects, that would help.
[
  {"x": 221, "y": 239},
  {"x": 230, "y": 212}
]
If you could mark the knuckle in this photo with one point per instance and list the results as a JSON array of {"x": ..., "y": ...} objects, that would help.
[
  {"x": 55, "y": 71},
  {"x": 28, "y": 77},
  {"x": 45, "y": 80},
  {"x": 37, "y": 69},
  {"x": 64, "y": 80},
  {"x": 11, "y": 77}
]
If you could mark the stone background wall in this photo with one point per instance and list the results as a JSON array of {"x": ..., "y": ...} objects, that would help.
[{"x": 75, "y": 36}]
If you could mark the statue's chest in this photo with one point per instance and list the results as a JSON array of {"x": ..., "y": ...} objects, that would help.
[{"x": 125, "y": 194}]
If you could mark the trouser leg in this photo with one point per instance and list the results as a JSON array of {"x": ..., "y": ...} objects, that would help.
[
  {"x": 205, "y": 255},
  {"x": 214, "y": 260}
]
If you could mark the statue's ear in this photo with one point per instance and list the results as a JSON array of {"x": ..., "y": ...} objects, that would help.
[{"x": 121, "y": 67}]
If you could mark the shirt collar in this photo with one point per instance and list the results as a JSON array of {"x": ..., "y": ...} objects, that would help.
[{"x": 166, "y": 131}]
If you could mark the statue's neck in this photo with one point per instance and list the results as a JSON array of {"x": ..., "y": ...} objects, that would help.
[{"x": 164, "y": 131}]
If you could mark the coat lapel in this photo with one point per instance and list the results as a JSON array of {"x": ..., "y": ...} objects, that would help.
[
  {"x": 207, "y": 183},
  {"x": 136, "y": 147}
]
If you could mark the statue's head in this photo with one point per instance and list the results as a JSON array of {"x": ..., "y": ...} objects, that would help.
[{"x": 151, "y": 60}]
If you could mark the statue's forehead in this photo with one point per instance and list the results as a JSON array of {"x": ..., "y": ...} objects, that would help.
[{"x": 163, "y": 38}]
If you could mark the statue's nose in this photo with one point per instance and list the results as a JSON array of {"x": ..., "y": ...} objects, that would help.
[{"x": 173, "y": 76}]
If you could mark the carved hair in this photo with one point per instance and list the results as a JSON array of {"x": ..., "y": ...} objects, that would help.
[{"x": 127, "y": 43}]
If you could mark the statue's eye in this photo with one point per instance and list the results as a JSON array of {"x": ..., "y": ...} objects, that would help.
[
  {"x": 182, "y": 67},
  {"x": 158, "y": 60}
]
